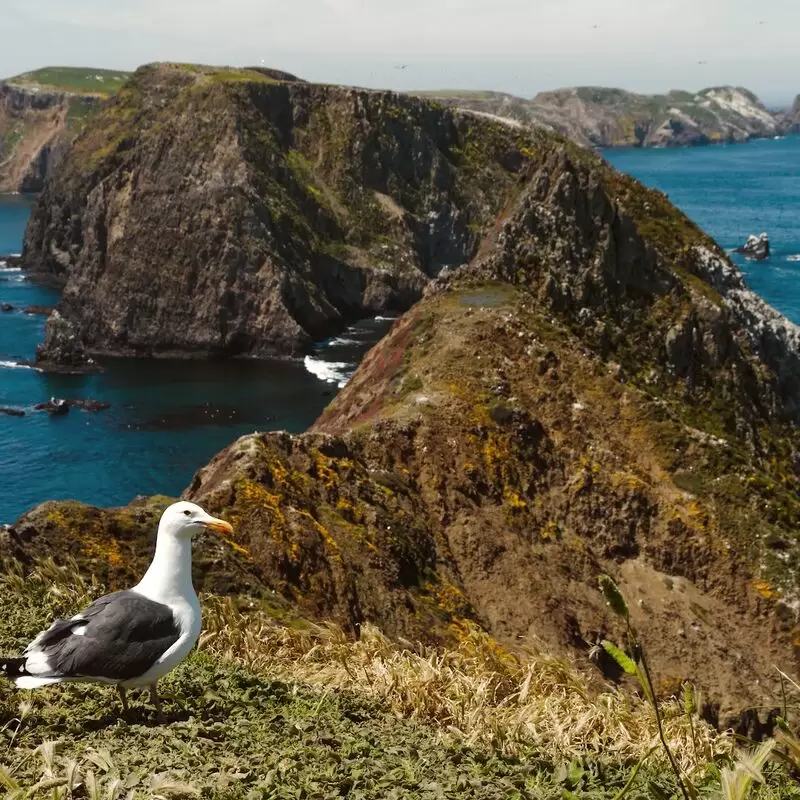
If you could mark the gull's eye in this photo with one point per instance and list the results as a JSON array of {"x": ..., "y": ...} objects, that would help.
[{"x": 187, "y": 513}]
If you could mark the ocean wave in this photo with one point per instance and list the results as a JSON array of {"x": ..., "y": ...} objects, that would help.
[
  {"x": 17, "y": 365},
  {"x": 793, "y": 258},
  {"x": 384, "y": 319},
  {"x": 5, "y": 268},
  {"x": 341, "y": 340},
  {"x": 337, "y": 372}
]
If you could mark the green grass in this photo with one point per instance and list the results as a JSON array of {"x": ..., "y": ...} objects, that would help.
[
  {"x": 235, "y": 734},
  {"x": 604, "y": 95},
  {"x": 86, "y": 80},
  {"x": 222, "y": 74},
  {"x": 232, "y": 75},
  {"x": 268, "y": 712}
]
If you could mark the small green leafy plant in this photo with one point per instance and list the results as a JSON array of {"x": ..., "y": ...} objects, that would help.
[{"x": 634, "y": 662}]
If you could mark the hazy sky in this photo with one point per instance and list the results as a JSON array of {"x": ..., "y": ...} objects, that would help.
[{"x": 518, "y": 46}]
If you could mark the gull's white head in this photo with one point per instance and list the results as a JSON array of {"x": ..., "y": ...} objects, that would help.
[{"x": 183, "y": 520}]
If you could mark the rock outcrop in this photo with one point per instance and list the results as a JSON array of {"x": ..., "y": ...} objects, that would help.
[
  {"x": 756, "y": 248},
  {"x": 62, "y": 349},
  {"x": 37, "y": 310},
  {"x": 40, "y": 114},
  {"x": 600, "y": 117},
  {"x": 213, "y": 212},
  {"x": 790, "y": 120},
  {"x": 595, "y": 391},
  {"x": 55, "y": 407},
  {"x": 32, "y": 131},
  {"x": 114, "y": 544}
]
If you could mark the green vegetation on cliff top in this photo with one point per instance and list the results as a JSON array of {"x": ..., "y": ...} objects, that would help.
[{"x": 78, "y": 80}]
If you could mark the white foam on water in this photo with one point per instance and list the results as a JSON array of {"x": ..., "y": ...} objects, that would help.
[
  {"x": 15, "y": 365},
  {"x": 341, "y": 340},
  {"x": 793, "y": 258},
  {"x": 337, "y": 372},
  {"x": 384, "y": 319},
  {"x": 5, "y": 268}
]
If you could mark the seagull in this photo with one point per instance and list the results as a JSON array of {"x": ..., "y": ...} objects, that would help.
[{"x": 128, "y": 639}]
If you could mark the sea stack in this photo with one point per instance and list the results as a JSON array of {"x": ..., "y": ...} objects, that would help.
[{"x": 756, "y": 248}]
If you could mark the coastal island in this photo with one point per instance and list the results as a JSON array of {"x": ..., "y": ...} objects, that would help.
[
  {"x": 42, "y": 111},
  {"x": 600, "y": 117},
  {"x": 588, "y": 363},
  {"x": 580, "y": 384}
]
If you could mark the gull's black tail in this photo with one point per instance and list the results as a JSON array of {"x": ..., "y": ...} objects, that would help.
[{"x": 12, "y": 668}]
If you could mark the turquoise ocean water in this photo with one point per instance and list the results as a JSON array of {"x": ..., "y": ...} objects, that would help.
[
  {"x": 167, "y": 419},
  {"x": 732, "y": 191}
]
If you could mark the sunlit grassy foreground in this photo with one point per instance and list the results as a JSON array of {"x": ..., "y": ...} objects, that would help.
[{"x": 274, "y": 712}]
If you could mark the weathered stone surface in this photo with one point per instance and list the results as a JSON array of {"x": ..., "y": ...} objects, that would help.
[
  {"x": 755, "y": 248},
  {"x": 790, "y": 120},
  {"x": 224, "y": 213},
  {"x": 62, "y": 349},
  {"x": 36, "y": 129},
  {"x": 55, "y": 406},
  {"x": 602, "y": 117},
  {"x": 116, "y": 544}
]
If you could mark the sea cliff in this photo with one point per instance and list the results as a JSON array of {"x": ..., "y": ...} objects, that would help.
[
  {"x": 601, "y": 117},
  {"x": 229, "y": 213},
  {"x": 586, "y": 385},
  {"x": 41, "y": 112},
  {"x": 790, "y": 121}
]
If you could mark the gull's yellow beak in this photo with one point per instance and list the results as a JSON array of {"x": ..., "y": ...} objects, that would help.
[{"x": 219, "y": 526}]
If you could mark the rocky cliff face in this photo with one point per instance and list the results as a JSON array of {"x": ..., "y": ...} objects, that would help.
[
  {"x": 210, "y": 212},
  {"x": 595, "y": 391},
  {"x": 790, "y": 121},
  {"x": 600, "y": 117},
  {"x": 36, "y": 129}
]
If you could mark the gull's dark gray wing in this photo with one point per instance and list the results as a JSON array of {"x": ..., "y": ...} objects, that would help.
[{"x": 118, "y": 637}]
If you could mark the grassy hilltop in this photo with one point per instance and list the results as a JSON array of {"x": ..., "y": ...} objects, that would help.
[{"x": 74, "y": 80}]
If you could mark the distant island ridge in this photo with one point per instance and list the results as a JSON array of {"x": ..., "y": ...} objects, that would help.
[
  {"x": 42, "y": 111},
  {"x": 600, "y": 117}
]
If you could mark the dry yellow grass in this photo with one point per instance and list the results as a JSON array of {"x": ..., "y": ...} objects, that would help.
[
  {"x": 478, "y": 691},
  {"x": 94, "y": 777}
]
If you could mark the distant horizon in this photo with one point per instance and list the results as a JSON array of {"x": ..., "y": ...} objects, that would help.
[
  {"x": 514, "y": 46},
  {"x": 772, "y": 103}
]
